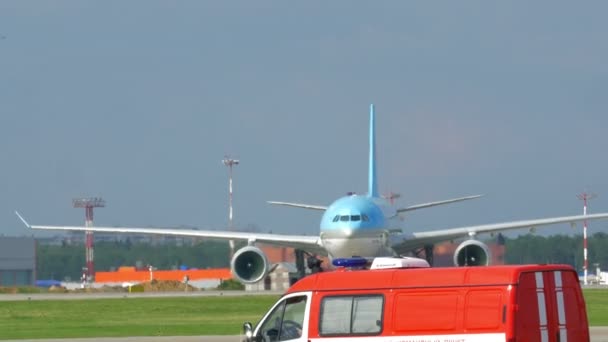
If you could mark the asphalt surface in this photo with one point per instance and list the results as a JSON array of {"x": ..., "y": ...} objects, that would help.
[
  {"x": 144, "y": 338},
  {"x": 102, "y": 295},
  {"x": 598, "y": 334}
]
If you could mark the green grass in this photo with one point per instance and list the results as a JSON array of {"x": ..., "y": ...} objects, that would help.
[
  {"x": 596, "y": 301},
  {"x": 130, "y": 316},
  {"x": 164, "y": 316}
]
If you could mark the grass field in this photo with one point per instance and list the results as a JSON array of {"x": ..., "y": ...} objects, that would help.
[
  {"x": 597, "y": 306},
  {"x": 163, "y": 316},
  {"x": 130, "y": 316}
]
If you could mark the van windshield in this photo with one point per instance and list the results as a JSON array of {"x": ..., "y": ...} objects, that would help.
[{"x": 285, "y": 322}]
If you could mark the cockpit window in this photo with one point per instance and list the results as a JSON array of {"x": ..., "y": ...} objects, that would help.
[{"x": 353, "y": 218}]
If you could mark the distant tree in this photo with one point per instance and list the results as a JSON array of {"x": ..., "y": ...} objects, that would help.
[
  {"x": 59, "y": 262},
  {"x": 561, "y": 249}
]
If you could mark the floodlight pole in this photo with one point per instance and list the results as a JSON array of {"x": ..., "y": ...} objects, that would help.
[
  {"x": 88, "y": 204},
  {"x": 229, "y": 162},
  {"x": 585, "y": 197}
]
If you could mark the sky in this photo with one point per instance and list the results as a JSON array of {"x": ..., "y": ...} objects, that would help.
[{"x": 138, "y": 102}]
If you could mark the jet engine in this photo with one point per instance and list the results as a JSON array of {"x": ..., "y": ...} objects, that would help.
[
  {"x": 472, "y": 253},
  {"x": 249, "y": 265}
]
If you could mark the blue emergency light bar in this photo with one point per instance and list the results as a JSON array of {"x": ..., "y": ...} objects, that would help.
[{"x": 349, "y": 262}]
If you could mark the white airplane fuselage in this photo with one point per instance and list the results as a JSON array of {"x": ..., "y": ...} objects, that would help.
[{"x": 357, "y": 226}]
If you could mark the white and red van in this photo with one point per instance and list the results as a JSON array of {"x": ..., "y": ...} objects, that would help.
[{"x": 523, "y": 303}]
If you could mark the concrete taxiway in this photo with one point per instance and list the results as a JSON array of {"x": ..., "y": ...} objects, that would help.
[
  {"x": 598, "y": 334},
  {"x": 142, "y": 339},
  {"x": 103, "y": 295}
]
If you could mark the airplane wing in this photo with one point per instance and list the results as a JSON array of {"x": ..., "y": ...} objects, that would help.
[
  {"x": 401, "y": 210},
  {"x": 406, "y": 243},
  {"x": 299, "y": 205},
  {"x": 304, "y": 242},
  {"x": 432, "y": 204}
]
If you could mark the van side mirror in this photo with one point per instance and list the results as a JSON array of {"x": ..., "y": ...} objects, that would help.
[{"x": 248, "y": 332}]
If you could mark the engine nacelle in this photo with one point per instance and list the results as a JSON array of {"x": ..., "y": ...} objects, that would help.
[
  {"x": 249, "y": 265},
  {"x": 472, "y": 253}
]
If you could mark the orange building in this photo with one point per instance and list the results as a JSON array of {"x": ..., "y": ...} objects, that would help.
[
  {"x": 131, "y": 275},
  {"x": 443, "y": 256}
]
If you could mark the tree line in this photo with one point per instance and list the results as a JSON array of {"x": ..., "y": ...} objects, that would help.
[
  {"x": 558, "y": 249},
  {"x": 65, "y": 261}
]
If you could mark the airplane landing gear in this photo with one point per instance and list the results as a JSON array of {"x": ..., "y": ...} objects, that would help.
[
  {"x": 428, "y": 254},
  {"x": 427, "y": 250},
  {"x": 300, "y": 263},
  {"x": 312, "y": 262}
]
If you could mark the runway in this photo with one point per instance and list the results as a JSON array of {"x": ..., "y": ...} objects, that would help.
[
  {"x": 104, "y": 295},
  {"x": 598, "y": 334},
  {"x": 142, "y": 339}
]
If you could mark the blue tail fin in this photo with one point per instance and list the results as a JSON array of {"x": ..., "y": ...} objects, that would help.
[{"x": 372, "y": 181}]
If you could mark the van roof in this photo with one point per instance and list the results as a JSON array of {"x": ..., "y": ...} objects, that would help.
[{"x": 343, "y": 279}]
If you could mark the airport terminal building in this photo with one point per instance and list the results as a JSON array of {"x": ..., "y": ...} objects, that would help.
[{"x": 17, "y": 261}]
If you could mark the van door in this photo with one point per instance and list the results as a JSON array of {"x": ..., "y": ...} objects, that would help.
[
  {"x": 571, "y": 313},
  {"x": 535, "y": 318},
  {"x": 550, "y": 308},
  {"x": 286, "y": 321}
]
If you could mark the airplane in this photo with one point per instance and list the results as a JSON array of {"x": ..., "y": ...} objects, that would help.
[{"x": 354, "y": 226}]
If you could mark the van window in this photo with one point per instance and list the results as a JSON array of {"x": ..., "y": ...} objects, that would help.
[
  {"x": 285, "y": 322},
  {"x": 351, "y": 315}
]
